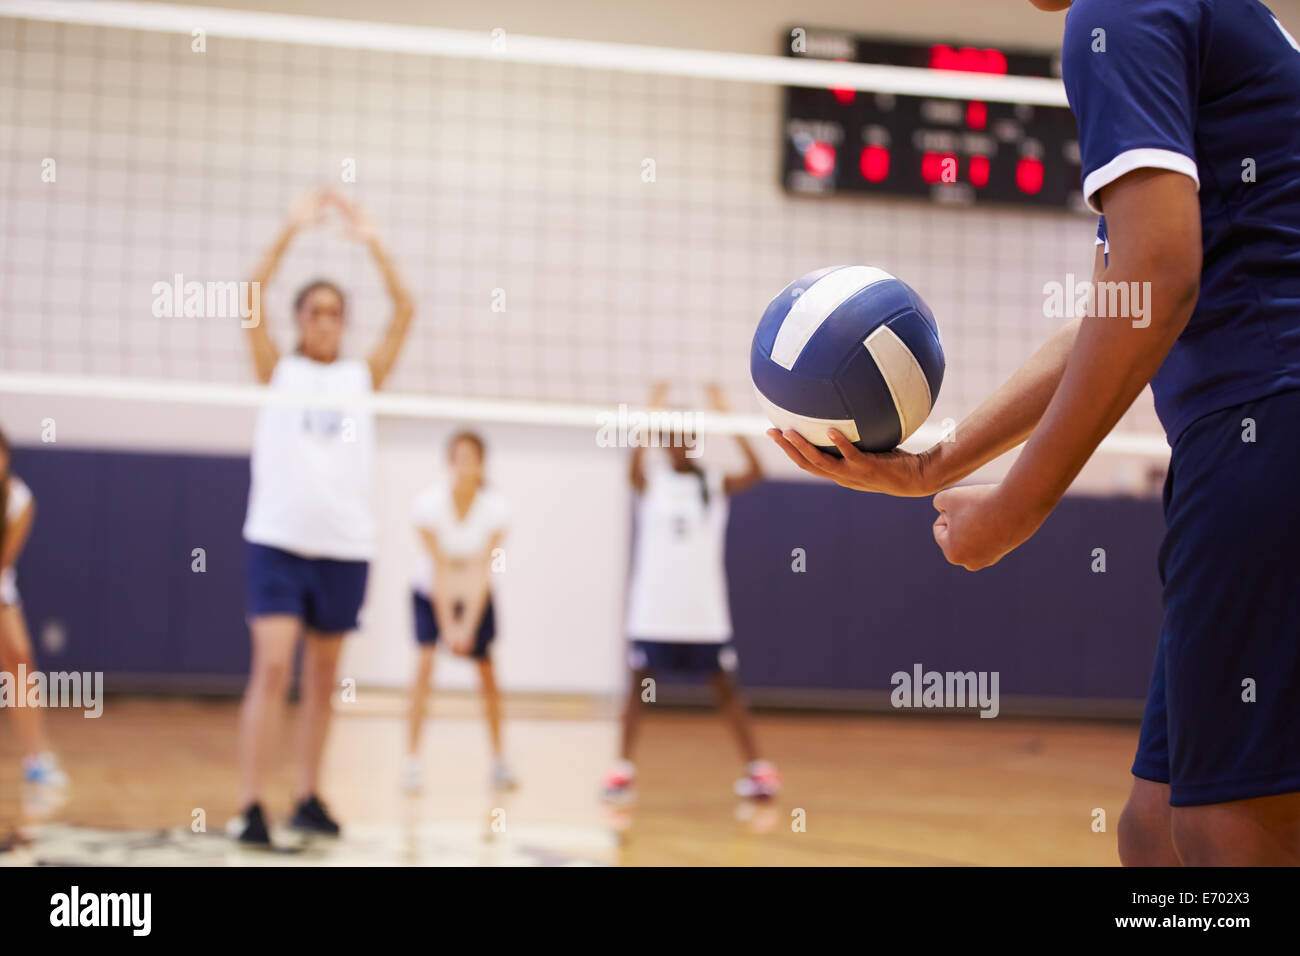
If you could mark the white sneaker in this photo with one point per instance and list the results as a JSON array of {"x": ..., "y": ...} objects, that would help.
[
  {"x": 412, "y": 781},
  {"x": 45, "y": 785},
  {"x": 502, "y": 778}
]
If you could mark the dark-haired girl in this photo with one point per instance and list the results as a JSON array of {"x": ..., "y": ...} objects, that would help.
[
  {"x": 309, "y": 531},
  {"x": 677, "y": 618},
  {"x": 462, "y": 526}
]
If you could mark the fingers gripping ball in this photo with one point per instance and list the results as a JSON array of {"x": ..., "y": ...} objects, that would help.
[{"x": 849, "y": 347}]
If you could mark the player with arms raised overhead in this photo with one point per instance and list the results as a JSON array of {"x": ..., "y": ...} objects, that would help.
[{"x": 309, "y": 530}]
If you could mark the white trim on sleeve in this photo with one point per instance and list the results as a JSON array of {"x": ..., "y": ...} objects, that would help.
[{"x": 1132, "y": 159}]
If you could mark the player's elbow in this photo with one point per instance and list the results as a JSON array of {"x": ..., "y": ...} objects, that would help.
[
  {"x": 1174, "y": 294},
  {"x": 1163, "y": 289}
]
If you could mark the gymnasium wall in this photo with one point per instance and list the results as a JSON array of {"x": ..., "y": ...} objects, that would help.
[
  {"x": 832, "y": 592},
  {"x": 610, "y": 284}
]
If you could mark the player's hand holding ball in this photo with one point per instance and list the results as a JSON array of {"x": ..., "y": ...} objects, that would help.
[{"x": 899, "y": 473}]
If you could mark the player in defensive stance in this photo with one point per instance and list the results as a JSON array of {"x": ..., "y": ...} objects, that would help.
[
  {"x": 44, "y": 783},
  {"x": 462, "y": 526},
  {"x": 1189, "y": 128},
  {"x": 678, "y": 618},
  {"x": 309, "y": 531}
]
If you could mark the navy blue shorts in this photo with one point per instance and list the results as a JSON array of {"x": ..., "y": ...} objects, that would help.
[
  {"x": 681, "y": 658},
  {"x": 325, "y": 594},
  {"x": 426, "y": 624},
  {"x": 1222, "y": 718}
]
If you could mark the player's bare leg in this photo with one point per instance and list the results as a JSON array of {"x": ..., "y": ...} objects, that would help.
[
  {"x": 502, "y": 779},
  {"x": 761, "y": 778},
  {"x": 1145, "y": 833},
  {"x": 262, "y": 713},
  {"x": 1264, "y": 831},
  {"x": 419, "y": 703},
  {"x": 733, "y": 709},
  {"x": 319, "y": 666},
  {"x": 620, "y": 782},
  {"x": 44, "y": 782},
  {"x": 15, "y": 652},
  {"x": 632, "y": 715}
]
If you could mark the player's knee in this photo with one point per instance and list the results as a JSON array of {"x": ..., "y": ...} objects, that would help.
[{"x": 271, "y": 676}]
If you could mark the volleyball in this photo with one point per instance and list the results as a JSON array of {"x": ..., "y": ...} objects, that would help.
[{"x": 852, "y": 348}]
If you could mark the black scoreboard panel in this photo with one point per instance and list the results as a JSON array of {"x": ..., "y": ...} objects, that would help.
[{"x": 946, "y": 150}]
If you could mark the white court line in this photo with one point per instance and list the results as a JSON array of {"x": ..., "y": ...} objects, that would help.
[
  {"x": 1146, "y": 445},
  {"x": 478, "y": 45}
]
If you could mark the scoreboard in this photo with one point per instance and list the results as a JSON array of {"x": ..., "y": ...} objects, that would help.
[{"x": 947, "y": 150}]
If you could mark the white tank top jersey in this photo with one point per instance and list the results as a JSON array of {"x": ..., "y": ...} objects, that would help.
[
  {"x": 679, "y": 578},
  {"x": 312, "y": 467},
  {"x": 20, "y": 496},
  {"x": 435, "y": 511}
]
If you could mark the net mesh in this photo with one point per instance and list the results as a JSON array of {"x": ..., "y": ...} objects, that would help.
[{"x": 569, "y": 234}]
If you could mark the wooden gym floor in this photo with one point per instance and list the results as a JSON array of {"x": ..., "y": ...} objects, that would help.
[{"x": 871, "y": 789}]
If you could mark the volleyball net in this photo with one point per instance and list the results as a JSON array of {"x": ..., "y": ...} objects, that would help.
[{"x": 575, "y": 220}]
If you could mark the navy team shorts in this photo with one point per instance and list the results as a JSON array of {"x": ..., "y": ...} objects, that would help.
[
  {"x": 325, "y": 594},
  {"x": 681, "y": 658},
  {"x": 426, "y": 624},
  {"x": 1222, "y": 718}
]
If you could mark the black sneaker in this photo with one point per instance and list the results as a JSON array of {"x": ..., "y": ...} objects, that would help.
[
  {"x": 312, "y": 817},
  {"x": 250, "y": 826}
]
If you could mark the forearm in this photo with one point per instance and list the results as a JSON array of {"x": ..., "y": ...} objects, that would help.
[
  {"x": 636, "y": 470},
  {"x": 1008, "y": 416},
  {"x": 1111, "y": 363},
  {"x": 440, "y": 595},
  {"x": 392, "y": 279},
  {"x": 385, "y": 355},
  {"x": 270, "y": 260},
  {"x": 265, "y": 354},
  {"x": 476, "y": 604},
  {"x": 752, "y": 475},
  {"x": 755, "y": 468}
]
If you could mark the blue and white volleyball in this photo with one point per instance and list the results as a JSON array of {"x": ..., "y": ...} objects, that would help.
[{"x": 852, "y": 348}]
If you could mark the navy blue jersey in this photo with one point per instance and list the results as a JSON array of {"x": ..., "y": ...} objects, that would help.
[{"x": 1211, "y": 89}]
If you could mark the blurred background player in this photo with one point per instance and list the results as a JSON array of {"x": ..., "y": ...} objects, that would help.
[
  {"x": 44, "y": 782},
  {"x": 310, "y": 531},
  {"x": 678, "y": 619},
  {"x": 462, "y": 524}
]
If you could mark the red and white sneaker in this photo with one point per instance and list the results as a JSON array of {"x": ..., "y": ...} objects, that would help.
[
  {"x": 619, "y": 786},
  {"x": 760, "y": 781}
]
